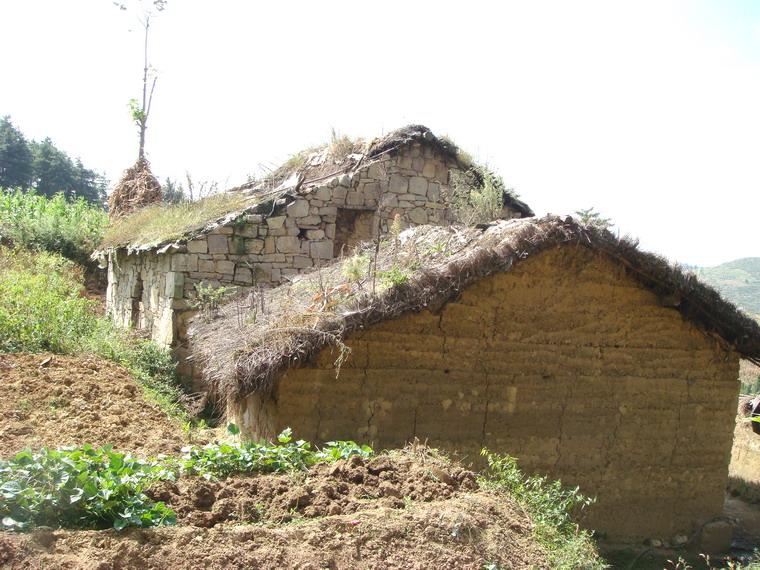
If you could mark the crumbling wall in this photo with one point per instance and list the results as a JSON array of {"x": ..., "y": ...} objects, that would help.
[
  {"x": 744, "y": 470},
  {"x": 154, "y": 291},
  {"x": 566, "y": 363}
]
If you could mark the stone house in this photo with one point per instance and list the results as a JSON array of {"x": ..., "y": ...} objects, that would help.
[
  {"x": 560, "y": 344},
  {"x": 309, "y": 214}
]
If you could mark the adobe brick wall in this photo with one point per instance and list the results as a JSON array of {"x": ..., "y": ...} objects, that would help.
[
  {"x": 564, "y": 362},
  {"x": 744, "y": 470}
]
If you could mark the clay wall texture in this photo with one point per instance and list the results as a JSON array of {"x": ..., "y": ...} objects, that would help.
[
  {"x": 744, "y": 470},
  {"x": 153, "y": 291},
  {"x": 566, "y": 363}
]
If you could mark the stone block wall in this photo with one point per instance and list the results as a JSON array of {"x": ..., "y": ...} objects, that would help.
[
  {"x": 564, "y": 362},
  {"x": 154, "y": 291}
]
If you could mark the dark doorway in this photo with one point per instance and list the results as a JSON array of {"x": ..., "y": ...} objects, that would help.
[{"x": 353, "y": 227}]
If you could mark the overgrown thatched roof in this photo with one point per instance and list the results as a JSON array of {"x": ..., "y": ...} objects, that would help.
[{"x": 256, "y": 338}]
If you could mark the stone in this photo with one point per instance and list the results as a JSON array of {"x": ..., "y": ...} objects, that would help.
[
  {"x": 418, "y": 185},
  {"x": 339, "y": 193},
  {"x": 355, "y": 198},
  {"x": 254, "y": 218},
  {"x": 376, "y": 171},
  {"x": 417, "y": 215},
  {"x": 715, "y": 537},
  {"x": 328, "y": 211},
  {"x": 205, "y": 266},
  {"x": 398, "y": 184},
  {"x": 298, "y": 209},
  {"x": 323, "y": 193},
  {"x": 179, "y": 261},
  {"x": 275, "y": 222},
  {"x": 388, "y": 201},
  {"x": 243, "y": 275},
  {"x": 248, "y": 230},
  {"x": 315, "y": 234},
  {"x": 428, "y": 170},
  {"x": 254, "y": 245},
  {"x": 309, "y": 221},
  {"x": 175, "y": 283},
  {"x": 217, "y": 244},
  {"x": 197, "y": 246},
  {"x": 330, "y": 231},
  {"x": 226, "y": 267},
  {"x": 434, "y": 192},
  {"x": 192, "y": 262},
  {"x": 418, "y": 164},
  {"x": 288, "y": 244},
  {"x": 322, "y": 249},
  {"x": 302, "y": 261},
  {"x": 225, "y": 230}
]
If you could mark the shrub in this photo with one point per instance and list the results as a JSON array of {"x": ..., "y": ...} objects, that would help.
[
  {"x": 223, "y": 459},
  {"x": 552, "y": 508},
  {"x": 41, "y": 307},
  {"x": 72, "y": 228},
  {"x": 80, "y": 487}
]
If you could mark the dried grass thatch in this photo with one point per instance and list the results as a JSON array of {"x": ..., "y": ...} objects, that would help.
[
  {"x": 259, "y": 335},
  {"x": 136, "y": 189}
]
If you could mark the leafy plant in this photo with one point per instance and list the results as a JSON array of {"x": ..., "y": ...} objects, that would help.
[
  {"x": 590, "y": 217},
  {"x": 393, "y": 276},
  {"x": 551, "y": 506},
  {"x": 70, "y": 227},
  {"x": 224, "y": 459},
  {"x": 80, "y": 487},
  {"x": 478, "y": 195},
  {"x": 356, "y": 267},
  {"x": 208, "y": 298}
]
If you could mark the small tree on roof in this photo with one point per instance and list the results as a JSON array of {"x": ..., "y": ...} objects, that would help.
[{"x": 590, "y": 217}]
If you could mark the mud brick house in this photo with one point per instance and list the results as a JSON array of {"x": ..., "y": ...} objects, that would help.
[
  {"x": 315, "y": 208},
  {"x": 563, "y": 345}
]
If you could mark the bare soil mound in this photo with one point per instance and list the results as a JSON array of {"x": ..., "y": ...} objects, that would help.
[
  {"x": 51, "y": 400},
  {"x": 468, "y": 532},
  {"x": 345, "y": 487}
]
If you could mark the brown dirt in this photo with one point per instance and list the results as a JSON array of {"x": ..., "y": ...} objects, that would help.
[
  {"x": 403, "y": 510},
  {"x": 51, "y": 400},
  {"x": 345, "y": 487}
]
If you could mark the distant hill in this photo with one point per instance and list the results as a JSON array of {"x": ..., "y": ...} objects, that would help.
[{"x": 738, "y": 281}]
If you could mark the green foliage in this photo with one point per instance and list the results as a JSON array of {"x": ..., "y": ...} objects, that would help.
[
  {"x": 208, "y": 298},
  {"x": 15, "y": 157},
  {"x": 44, "y": 168},
  {"x": 551, "y": 507},
  {"x": 41, "y": 307},
  {"x": 590, "y": 217},
  {"x": 174, "y": 192},
  {"x": 356, "y": 267},
  {"x": 393, "y": 276},
  {"x": 738, "y": 281},
  {"x": 139, "y": 116},
  {"x": 478, "y": 195},
  {"x": 224, "y": 459},
  {"x": 80, "y": 487},
  {"x": 70, "y": 227}
]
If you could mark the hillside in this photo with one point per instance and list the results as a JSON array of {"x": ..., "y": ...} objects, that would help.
[{"x": 738, "y": 281}]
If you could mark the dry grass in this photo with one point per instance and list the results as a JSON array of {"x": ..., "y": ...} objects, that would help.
[
  {"x": 137, "y": 189},
  {"x": 256, "y": 339},
  {"x": 157, "y": 224},
  {"x": 749, "y": 376}
]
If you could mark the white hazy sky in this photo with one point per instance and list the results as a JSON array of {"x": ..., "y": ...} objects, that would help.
[{"x": 647, "y": 110}]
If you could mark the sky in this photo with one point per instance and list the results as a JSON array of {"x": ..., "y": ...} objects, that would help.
[{"x": 648, "y": 111}]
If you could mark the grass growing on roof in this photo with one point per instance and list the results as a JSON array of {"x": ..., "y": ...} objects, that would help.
[{"x": 157, "y": 224}]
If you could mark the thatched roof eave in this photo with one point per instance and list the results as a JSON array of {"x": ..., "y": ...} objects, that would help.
[{"x": 259, "y": 353}]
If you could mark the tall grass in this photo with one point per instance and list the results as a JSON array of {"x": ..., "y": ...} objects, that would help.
[
  {"x": 72, "y": 228},
  {"x": 42, "y": 309}
]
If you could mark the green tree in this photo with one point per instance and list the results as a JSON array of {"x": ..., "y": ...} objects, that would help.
[
  {"x": 15, "y": 157},
  {"x": 53, "y": 170},
  {"x": 174, "y": 192},
  {"x": 590, "y": 217}
]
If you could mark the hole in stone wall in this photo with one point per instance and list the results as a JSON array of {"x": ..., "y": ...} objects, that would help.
[{"x": 353, "y": 227}]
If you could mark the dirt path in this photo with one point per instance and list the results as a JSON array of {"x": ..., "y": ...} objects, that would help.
[{"x": 51, "y": 400}]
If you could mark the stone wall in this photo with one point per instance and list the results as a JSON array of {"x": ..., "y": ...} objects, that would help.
[
  {"x": 564, "y": 362},
  {"x": 154, "y": 291}
]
